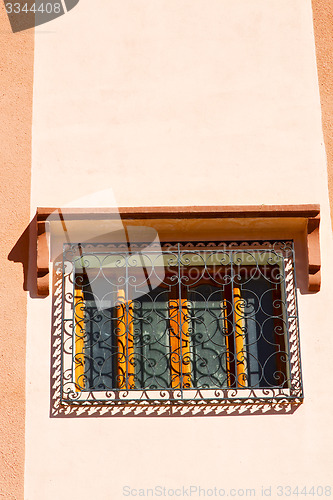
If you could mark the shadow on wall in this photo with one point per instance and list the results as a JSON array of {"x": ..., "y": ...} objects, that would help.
[
  {"x": 121, "y": 408},
  {"x": 26, "y": 14},
  {"x": 183, "y": 410},
  {"x": 25, "y": 252}
]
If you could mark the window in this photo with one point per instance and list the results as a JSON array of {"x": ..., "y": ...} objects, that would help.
[{"x": 188, "y": 321}]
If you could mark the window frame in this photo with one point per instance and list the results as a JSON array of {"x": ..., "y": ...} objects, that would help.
[{"x": 71, "y": 394}]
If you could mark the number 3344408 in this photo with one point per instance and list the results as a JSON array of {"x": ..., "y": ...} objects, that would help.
[{"x": 47, "y": 7}]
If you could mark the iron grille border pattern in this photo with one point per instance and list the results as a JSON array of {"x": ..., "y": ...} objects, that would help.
[{"x": 292, "y": 392}]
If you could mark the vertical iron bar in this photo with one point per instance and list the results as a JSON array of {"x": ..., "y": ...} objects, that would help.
[
  {"x": 74, "y": 332},
  {"x": 297, "y": 322},
  {"x": 126, "y": 308},
  {"x": 62, "y": 322},
  {"x": 233, "y": 318},
  {"x": 180, "y": 326},
  {"x": 287, "y": 336}
]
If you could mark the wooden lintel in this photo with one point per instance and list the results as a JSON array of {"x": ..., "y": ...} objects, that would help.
[
  {"x": 189, "y": 212},
  {"x": 309, "y": 213}
]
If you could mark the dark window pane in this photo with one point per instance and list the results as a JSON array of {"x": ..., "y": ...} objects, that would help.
[
  {"x": 151, "y": 340},
  {"x": 263, "y": 311},
  {"x": 208, "y": 337}
]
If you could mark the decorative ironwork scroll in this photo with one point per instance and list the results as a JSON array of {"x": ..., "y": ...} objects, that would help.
[{"x": 192, "y": 322}]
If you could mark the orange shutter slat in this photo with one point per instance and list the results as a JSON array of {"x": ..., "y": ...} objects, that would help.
[
  {"x": 239, "y": 339},
  {"x": 180, "y": 362},
  {"x": 227, "y": 340},
  {"x": 79, "y": 339},
  {"x": 124, "y": 333}
]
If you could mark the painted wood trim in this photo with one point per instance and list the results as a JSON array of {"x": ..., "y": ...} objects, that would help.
[
  {"x": 313, "y": 246},
  {"x": 310, "y": 213},
  {"x": 179, "y": 212}
]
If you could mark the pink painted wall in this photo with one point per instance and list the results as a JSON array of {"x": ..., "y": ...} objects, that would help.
[
  {"x": 179, "y": 103},
  {"x": 16, "y": 79}
]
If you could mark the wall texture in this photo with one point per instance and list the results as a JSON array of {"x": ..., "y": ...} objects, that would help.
[
  {"x": 16, "y": 77},
  {"x": 179, "y": 102},
  {"x": 160, "y": 103},
  {"x": 172, "y": 103},
  {"x": 323, "y": 29}
]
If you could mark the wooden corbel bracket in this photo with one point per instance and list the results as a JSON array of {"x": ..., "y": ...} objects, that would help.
[
  {"x": 263, "y": 220},
  {"x": 43, "y": 259},
  {"x": 313, "y": 243}
]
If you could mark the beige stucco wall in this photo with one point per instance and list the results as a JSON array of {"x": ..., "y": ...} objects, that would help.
[
  {"x": 171, "y": 92},
  {"x": 179, "y": 103}
]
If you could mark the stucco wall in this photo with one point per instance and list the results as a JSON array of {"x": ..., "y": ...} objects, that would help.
[
  {"x": 16, "y": 77},
  {"x": 155, "y": 94},
  {"x": 179, "y": 103},
  {"x": 323, "y": 29}
]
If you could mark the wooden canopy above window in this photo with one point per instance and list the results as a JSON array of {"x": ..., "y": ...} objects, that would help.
[{"x": 220, "y": 223}]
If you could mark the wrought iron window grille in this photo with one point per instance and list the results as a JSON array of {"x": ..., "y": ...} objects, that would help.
[{"x": 189, "y": 323}]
